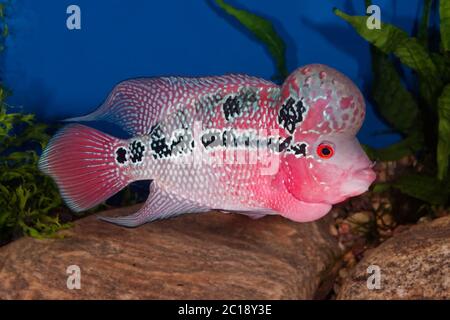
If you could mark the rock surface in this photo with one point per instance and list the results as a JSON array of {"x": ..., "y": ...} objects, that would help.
[
  {"x": 196, "y": 256},
  {"x": 414, "y": 264}
]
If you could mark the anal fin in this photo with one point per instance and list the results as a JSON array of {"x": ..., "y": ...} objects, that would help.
[
  {"x": 159, "y": 205},
  {"x": 252, "y": 214}
]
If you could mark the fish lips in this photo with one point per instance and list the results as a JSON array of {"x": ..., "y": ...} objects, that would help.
[{"x": 359, "y": 183}]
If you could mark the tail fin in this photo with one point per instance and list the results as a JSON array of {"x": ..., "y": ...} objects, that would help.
[{"x": 82, "y": 162}]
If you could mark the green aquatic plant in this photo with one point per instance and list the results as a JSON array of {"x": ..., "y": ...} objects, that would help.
[
  {"x": 27, "y": 197},
  {"x": 422, "y": 116},
  {"x": 263, "y": 30},
  {"x": 422, "y": 119}
]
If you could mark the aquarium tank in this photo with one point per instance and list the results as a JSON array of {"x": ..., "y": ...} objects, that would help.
[{"x": 224, "y": 150}]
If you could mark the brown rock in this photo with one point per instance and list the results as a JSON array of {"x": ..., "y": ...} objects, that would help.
[
  {"x": 196, "y": 256},
  {"x": 414, "y": 264}
]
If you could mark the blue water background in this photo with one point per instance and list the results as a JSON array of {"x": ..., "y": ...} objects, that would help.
[{"x": 58, "y": 73}]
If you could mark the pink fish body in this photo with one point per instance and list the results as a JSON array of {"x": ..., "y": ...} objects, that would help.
[{"x": 232, "y": 143}]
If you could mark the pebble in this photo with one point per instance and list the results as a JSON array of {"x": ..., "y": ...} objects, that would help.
[
  {"x": 344, "y": 228},
  {"x": 333, "y": 230},
  {"x": 362, "y": 217}
]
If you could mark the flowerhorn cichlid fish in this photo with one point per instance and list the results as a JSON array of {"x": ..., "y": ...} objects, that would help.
[{"x": 234, "y": 143}]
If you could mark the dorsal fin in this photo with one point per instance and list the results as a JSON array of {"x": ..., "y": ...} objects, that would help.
[{"x": 136, "y": 105}]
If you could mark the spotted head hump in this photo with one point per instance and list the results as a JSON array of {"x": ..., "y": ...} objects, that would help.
[{"x": 317, "y": 99}]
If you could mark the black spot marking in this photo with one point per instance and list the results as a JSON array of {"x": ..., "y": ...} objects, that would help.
[
  {"x": 137, "y": 150},
  {"x": 291, "y": 114},
  {"x": 232, "y": 107},
  {"x": 298, "y": 149},
  {"x": 285, "y": 144},
  {"x": 229, "y": 139},
  {"x": 249, "y": 96},
  {"x": 235, "y": 105},
  {"x": 245, "y": 140},
  {"x": 211, "y": 140},
  {"x": 121, "y": 155},
  {"x": 160, "y": 148},
  {"x": 182, "y": 143},
  {"x": 178, "y": 140},
  {"x": 208, "y": 141},
  {"x": 158, "y": 144}
]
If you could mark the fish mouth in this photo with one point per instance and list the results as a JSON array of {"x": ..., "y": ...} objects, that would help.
[
  {"x": 366, "y": 174},
  {"x": 360, "y": 182}
]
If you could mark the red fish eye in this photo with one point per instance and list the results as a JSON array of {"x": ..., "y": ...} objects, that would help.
[{"x": 325, "y": 151}]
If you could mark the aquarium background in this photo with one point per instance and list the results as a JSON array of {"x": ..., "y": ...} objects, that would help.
[{"x": 58, "y": 73}]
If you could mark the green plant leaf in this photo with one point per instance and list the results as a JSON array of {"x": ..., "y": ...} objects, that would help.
[
  {"x": 423, "y": 187},
  {"x": 443, "y": 65},
  {"x": 444, "y": 13},
  {"x": 390, "y": 39},
  {"x": 394, "y": 102},
  {"x": 381, "y": 187},
  {"x": 2, "y": 10},
  {"x": 26, "y": 195},
  {"x": 264, "y": 31},
  {"x": 443, "y": 147},
  {"x": 422, "y": 34}
]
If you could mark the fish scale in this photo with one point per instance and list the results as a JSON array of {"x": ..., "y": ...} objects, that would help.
[
  {"x": 232, "y": 143},
  {"x": 212, "y": 185}
]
